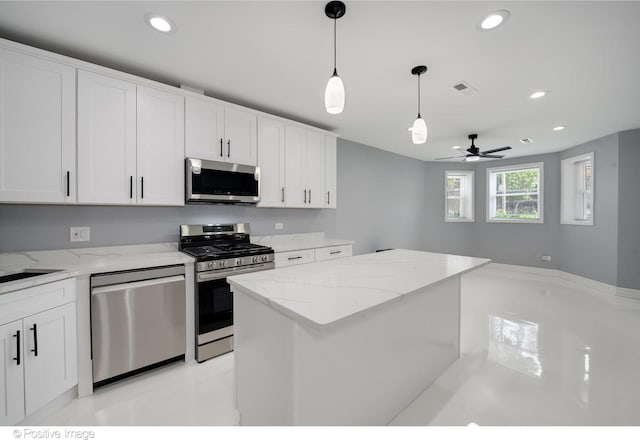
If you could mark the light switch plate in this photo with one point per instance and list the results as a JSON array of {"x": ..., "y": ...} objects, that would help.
[
  {"x": 279, "y": 226},
  {"x": 79, "y": 233}
]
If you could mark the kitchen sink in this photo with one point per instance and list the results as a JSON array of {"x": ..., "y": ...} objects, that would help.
[{"x": 27, "y": 273}]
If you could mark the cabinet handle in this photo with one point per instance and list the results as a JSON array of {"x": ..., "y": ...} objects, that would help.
[
  {"x": 142, "y": 187},
  {"x": 283, "y": 194},
  {"x": 68, "y": 183},
  {"x": 305, "y": 196},
  {"x": 328, "y": 197},
  {"x": 35, "y": 339},
  {"x": 335, "y": 252},
  {"x": 294, "y": 258},
  {"x": 131, "y": 187},
  {"x": 221, "y": 153},
  {"x": 228, "y": 147},
  {"x": 309, "y": 196},
  {"x": 17, "y": 358}
]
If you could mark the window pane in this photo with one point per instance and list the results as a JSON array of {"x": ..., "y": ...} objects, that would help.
[
  {"x": 453, "y": 208},
  {"x": 453, "y": 186},
  {"x": 522, "y": 206},
  {"x": 522, "y": 181}
]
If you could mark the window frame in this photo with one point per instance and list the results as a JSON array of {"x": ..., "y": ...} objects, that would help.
[
  {"x": 468, "y": 175},
  {"x": 516, "y": 167},
  {"x": 569, "y": 191}
]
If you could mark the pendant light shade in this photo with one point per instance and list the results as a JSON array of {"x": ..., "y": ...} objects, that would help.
[
  {"x": 334, "y": 93},
  {"x": 419, "y": 131},
  {"x": 419, "y": 128}
]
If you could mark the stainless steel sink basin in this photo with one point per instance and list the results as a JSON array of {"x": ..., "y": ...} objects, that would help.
[{"x": 27, "y": 273}]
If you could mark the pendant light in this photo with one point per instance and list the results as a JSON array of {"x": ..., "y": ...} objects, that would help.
[
  {"x": 419, "y": 129},
  {"x": 334, "y": 93}
]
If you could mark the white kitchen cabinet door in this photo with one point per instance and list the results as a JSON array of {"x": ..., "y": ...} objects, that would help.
[
  {"x": 240, "y": 136},
  {"x": 11, "y": 373},
  {"x": 330, "y": 172},
  {"x": 314, "y": 169},
  {"x": 37, "y": 130},
  {"x": 204, "y": 129},
  {"x": 160, "y": 147},
  {"x": 50, "y": 366},
  {"x": 295, "y": 189},
  {"x": 106, "y": 140},
  {"x": 271, "y": 160}
]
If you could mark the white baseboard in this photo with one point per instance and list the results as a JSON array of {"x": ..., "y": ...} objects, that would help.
[
  {"x": 569, "y": 277},
  {"x": 57, "y": 404}
]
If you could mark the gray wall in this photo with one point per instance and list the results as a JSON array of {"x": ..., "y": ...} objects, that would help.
[
  {"x": 592, "y": 251},
  {"x": 629, "y": 210},
  {"x": 375, "y": 189}
]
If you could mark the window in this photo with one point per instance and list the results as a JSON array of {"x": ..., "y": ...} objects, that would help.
[
  {"x": 459, "y": 196},
  {"x": 577, "y": 190},
  {"x": 514, "y": 193}
]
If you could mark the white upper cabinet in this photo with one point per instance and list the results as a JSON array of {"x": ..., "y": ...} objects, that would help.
[
  {"x": 220, "y": 132},
  {"x": 204, "y": 129},
  {"x": 106, "y": 140},
  {"x": 314, "y": 168},
  {"x": 330, "y": 172},
  {"x": 271, "y": 160},
  {"x": 37, "y": 130},
  {"x": 160, "y": 147},
  {"x": 295, "y": 183}
]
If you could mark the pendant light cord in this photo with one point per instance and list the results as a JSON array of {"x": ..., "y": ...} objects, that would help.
[
  {"x": 419, "y": 95},
  {"x": 335, "y": 71}
]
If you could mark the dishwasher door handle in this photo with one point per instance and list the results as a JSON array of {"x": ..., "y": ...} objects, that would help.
[{"x": 135, "y": 284}]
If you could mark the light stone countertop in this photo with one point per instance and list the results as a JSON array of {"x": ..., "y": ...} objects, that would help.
[
  {"x": 87, "y": 261},
  {"x": 297, "y": 242},
  {"x": 329, "y": 291}
]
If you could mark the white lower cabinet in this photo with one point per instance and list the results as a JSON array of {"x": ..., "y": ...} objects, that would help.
[
  {"x": 304, "y": 256},
  {"x": 39, "y": 353}
]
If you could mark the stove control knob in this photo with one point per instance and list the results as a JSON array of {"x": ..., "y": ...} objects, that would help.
[
  {"x": 210, "y": 265},
  {"x": 223, "y": 263},
  {"x": 238, "y": 261},
  {"x": 264, "y": 258},
  {"x": 254, "y": 259}
]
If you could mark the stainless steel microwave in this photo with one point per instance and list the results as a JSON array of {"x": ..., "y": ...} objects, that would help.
[{"x": 221, "y": 182}]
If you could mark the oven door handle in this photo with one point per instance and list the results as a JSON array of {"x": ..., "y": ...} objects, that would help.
[{"x": 219, "y": 274}]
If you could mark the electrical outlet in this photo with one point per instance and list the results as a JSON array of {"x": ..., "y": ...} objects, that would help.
[
  {"x": 546, "y": 258},
  {"x": 79, "y": 233},
  {"x": 279, "y": 226}
]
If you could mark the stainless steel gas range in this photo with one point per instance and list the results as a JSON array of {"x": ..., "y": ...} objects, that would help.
[{"x": 220, "y": 251}]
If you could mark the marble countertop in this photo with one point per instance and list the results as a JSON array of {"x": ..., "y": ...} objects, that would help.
[
  {"x": 329, "y": 291},
  {"x": 297, "y": 242},
  {"x": 87, "y": 261}
]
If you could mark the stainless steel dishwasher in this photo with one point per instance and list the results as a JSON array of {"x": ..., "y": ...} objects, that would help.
[{"x": 137, "y": 321}]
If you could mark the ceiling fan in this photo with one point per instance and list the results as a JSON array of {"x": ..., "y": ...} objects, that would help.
[{"x": 476, "y": 154}]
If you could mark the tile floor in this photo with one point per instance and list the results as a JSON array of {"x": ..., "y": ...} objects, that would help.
[{"x": 535, "y": 351}]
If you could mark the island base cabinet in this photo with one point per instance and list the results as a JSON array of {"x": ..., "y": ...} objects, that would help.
[{"x": 362, "y": 370}]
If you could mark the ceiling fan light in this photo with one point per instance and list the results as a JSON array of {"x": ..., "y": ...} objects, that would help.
[
  {"x": 334, "y": 95},
  {"x": 419, "y": 131},
  {"x": 472, "y": 158}
]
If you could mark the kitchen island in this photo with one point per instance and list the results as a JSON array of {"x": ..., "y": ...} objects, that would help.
[{"x": 345, "y": 342}]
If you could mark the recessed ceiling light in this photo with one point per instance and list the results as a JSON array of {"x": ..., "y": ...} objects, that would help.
[
  {"x": 559, "y": 128},
  {"x": 495, "y": 19},
  {"x": 538, "y": 94},
  {"x": 160, "y": 23},
  {"x": 456, "y": 147},
  {"x": 526, "y": 141},
  {"x": 472, "y": 158}
]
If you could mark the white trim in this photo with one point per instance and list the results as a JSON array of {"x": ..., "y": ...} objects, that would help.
[
  {"x": 515, "y": 167},
  {"x": 628, "y": 293},
  {"x": 470, "y": 175},
  {"x": 573, "y": 160}
]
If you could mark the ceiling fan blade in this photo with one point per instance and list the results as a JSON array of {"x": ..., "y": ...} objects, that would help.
[
  {"x": 493, "y": 156},
  {"x": 452, "y": 157},
  {"x": 495, "y": 150}
]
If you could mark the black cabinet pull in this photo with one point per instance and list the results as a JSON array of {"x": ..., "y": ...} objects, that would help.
[
  {"x": 228, "y": 147},
  {"x": 283, "y": 194},
  {"x": 335, "y": 252},
  {"x": 35, "y": 339},
  {"x": 294, "y": 258},
  {"x": 68, "y": 183},
  {"x": 221, "y": 153},
  {"x": 305, "y": 196},
  {"x": 17, "y": 358},
  {"x": 309, "y": 196},
  {"x": 328, "y": 197},
  {"x": 131, "y": 187},
  {"x": 142, "y": 187}
]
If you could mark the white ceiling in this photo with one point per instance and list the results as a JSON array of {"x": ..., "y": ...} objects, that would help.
[{"x": 277, "y": 57}]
